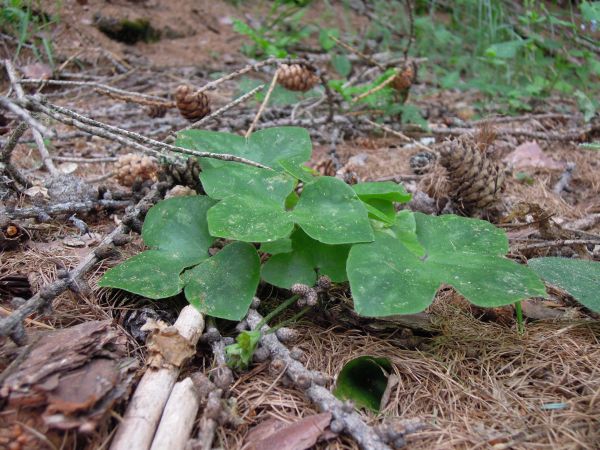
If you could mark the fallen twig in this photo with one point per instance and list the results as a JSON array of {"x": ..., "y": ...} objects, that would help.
[
  {"x": 557, "y": 243},
  {"x": 348, "y": 421},
  {"x": 137, "y": 429},
  {"x": 63, "y": 208},
  {"x": 12, "y": 325},
  {"x": 24, "y": 116},
  {"x": 39, "y": 140},
  {"x": 396, "y": 133},
  {"x": 6, "y": 154},
  {"x": 263, "y": 105},
  {"x": 124, "y": 136}
]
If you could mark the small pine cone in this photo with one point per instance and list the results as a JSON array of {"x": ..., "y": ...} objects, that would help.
[
  {"x": 156, "y": 111},
  {"x": 297, "y": 77},
  {"x": 475, "y": 180},
  {"x": 404, "y": 80},
  {"x": 132, "y": 167},
  {"x": 192, "y": 105},
  {"x": 326, "y": 167},
  {"x": 187, "y": 174},
  {"x": 422, "y": 162}
]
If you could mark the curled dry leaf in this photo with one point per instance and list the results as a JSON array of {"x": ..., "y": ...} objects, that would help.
[
  {"x": 274, "y": 434},
  {"x": 529, "y": 154}
]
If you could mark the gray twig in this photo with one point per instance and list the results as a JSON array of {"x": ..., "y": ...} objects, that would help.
[
  {"x": 12, "y": 325},
  {"x": 39, "y": 140},
  {"x": 350, "y": 422},
  {"x": 6, "y": 154},
  {"x": 64, "y": 208}
]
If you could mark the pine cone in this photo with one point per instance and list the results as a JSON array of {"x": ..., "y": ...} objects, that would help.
[
  {"x": 297, "y": 77},
  {"x": 156, "y": 111},
  {"x": 422, "y": 162},
  {"x": 475, "y": 181},
  {"x": 192, "y": 105},
  {"x": 187, "y": 174},
  {"x": 326, "y": 166},
  {"x": 131, "y": 168},
  {"x": 404, "y": 80}
]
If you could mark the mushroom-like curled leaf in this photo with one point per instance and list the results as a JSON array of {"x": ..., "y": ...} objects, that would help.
[
  {"x": 578, "y": 277},
  {"x": 388, "y": 277},
  {"x": 363, "y": 380}
]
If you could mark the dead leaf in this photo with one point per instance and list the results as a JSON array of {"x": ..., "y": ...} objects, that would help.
[
  {"x": 167, "y": 347},
  {"x": 68, "y": 167},
  {"x": 37, "y": 191},
  {"x": 530, "y": 154},
  {"x": 546, "y": 310},
  {"x": 274, "y": 434}
]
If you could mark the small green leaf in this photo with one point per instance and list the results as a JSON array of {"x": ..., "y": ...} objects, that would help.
[
  {"x": 239, "y": 355},
  {"x": 387, "y": 278},
  {"x": 325, "y": 38},
  {"x": 308, "y": 259},
  {"x": 578, "y": 277},
  {"x": 330, "y": 211},
  {"x": 364, "y": 381},
  {"x": 341, "y": 64},
  {"x": 223, "y": 286},
  {"x": 383, "y": 190}
]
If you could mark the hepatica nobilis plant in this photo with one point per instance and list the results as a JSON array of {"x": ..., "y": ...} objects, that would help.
[{"x": 394, "y": 261}]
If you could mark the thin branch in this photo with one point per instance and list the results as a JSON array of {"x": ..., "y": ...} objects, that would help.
[
  {"x": 102, "y": 88},
  {"x": 6, "y": 154},
  {"x": 349, "y": 421},
  {"x": 39, "y": 140},
  {"x": 358, "y": 53},
  {"x": 114, "y": 132},
  {"x": 24, "y": 115},
  {"x": 376, "y": 88},
  {"x": 12, "y": 325},
  {"x": 557, "y": 243},
  {"x": 65, "y": 208},
  {"x": 396, "y": 133},
  {"x": 237, "y": 73},
  {"x": 263, "y": 105}
]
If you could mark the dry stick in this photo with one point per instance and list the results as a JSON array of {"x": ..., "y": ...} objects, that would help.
[
  {"x": 37, "y": 136},
  {"x": 77, "y": 159},
  {"x": 6, "y": 154},
  {"x": 138, "y": 100},
  {"x": 376, "y": 88},
  {"x": 352, "y": 423},
  {"x": 178, "y": 417},
  {"x": 565, "y": 136},
  {"x": 523, "y": 118},
  {"x": 217, "y": 113},
  {"x": 52, "y": 111},
  {"x": 64, "y": 208},
  {"x": 357, "y": 53},
  {"x": 12, "y": 325},
  {"x": 263, "y": 105},
  {"x": 396, "y": 133},
  {"x": 557, "y": 243},
  {"x": 139, "y": 423},
  {"x": 103, "y": 88},
  {"x": 24, "y": 115},
  {"x": 237, "y": 73}
]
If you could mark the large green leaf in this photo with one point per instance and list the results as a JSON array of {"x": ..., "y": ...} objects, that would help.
[
  {"x": 578, "y": 277},
  {"x": 386, "y": 277},
  {"x": 225, "y": 179},
  {"x": 330, "y": 211},
  {"x": 364, "y": 381},
  {"x": 177, "y": 232},
  {"x": 307, "y": 259},
  {"x": 249, "y": 219},
  {"x": 264, "y": 146},
  {"x": 221, "y": 179},
  {"x": 223, "y": 286}
]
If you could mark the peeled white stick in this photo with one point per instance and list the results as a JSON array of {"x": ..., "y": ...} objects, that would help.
[
  {"x": 178, "y": 418},
  {"x": 139, "y": 423}
]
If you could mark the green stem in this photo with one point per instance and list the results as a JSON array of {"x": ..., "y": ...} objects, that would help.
[
  {"x": 276, "y": 311},
  {"x": 290, "y": 320},
  {"x": 520, "y": 324}
]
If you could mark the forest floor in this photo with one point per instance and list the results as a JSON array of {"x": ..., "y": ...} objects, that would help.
[{"x": 470, "y": 380}]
